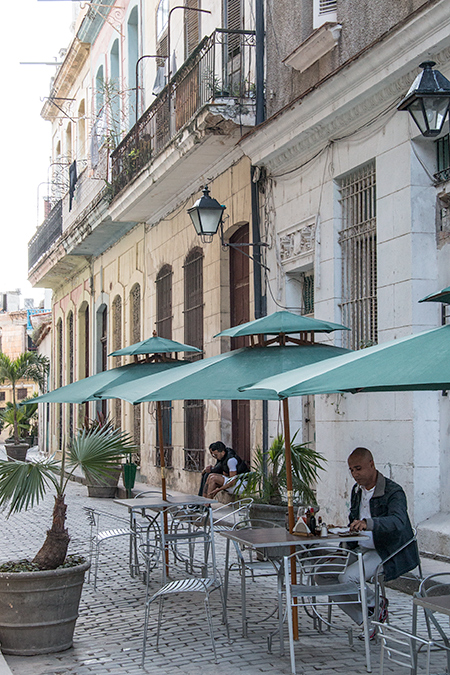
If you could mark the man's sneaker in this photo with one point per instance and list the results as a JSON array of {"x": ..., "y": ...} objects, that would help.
[{"x": 383, "y": 615}]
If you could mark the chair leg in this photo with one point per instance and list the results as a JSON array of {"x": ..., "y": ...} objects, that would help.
[
  {"x": 291, "y": 635},
  {"x": 144, "y": 639},
  {"x": 224, "y": 612},
  {"x": 243, "y": 601},
  {"x": 160, "y": 613},
  {"x": 97, "y": 556},
  {"x": 211, "y": 627}
]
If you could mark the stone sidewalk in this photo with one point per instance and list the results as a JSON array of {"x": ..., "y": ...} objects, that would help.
[{"x": 109, "y": 629}]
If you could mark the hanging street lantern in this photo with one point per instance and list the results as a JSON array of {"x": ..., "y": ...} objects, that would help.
[
  {"x": 206, "y": 216},
  {"x": 428, "y": 100}
]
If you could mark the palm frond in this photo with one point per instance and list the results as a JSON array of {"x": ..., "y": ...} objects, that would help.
[
  {"x": 23, "y": 484},
  {"x": 97, "y": 451}
]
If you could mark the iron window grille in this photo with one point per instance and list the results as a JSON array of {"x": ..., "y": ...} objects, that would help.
[
  {"x": 164, "y": 329},
  {"x": 308, "y": 293},
  {"x": 22, "y": 393},
  {"x": 166, "y": 411},
  {"x": 359, "y": 257},
  {"x": 135, "y": 303},
  {"x": 443, "y": 159},
  {"x": 70, "y": 337}
]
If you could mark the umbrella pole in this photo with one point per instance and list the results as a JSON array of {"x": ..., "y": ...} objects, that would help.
[
  {"x": 163, "y": 478},
  {"x": 290, "y": 497}
]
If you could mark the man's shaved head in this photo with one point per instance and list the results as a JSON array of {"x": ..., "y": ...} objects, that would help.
[{"x": 361, "y": 453}]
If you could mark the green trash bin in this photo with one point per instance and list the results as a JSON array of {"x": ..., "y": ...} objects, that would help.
[{"x": 129, "y": 476}]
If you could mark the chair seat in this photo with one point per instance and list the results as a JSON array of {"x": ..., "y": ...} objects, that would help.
[
  {"x": 199, "y": 585},
  {"x": 115, "y": 532},
  {"x": 307, "y": 590}
]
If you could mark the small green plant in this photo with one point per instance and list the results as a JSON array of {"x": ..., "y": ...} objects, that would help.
[{"x": 271, "y": 488}]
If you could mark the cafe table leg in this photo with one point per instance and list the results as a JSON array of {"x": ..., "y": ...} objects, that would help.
[
  {"x": 293, "y": 582},
  {"x": 414, "y": 632}
]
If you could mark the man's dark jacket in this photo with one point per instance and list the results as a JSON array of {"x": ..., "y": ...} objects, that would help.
[{"x": 390, "y": 525}]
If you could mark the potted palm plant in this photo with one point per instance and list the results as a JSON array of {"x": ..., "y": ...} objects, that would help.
[
  {"x": 266, "y": 482},
  {"x": 27, "y": 366},
  {"x": 39, "y": 598}
]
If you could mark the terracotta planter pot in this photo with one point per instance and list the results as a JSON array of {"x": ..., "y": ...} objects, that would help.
[
  {"x": 17, "y": 451},
  {"x": 105, "y": 488},
  {"x": 38, "y": 610}
]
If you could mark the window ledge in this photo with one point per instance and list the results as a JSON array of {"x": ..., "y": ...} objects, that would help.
[{"x": 319, "y": 43}]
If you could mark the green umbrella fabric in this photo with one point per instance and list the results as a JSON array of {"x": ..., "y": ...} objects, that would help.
[
  {"x": 87, "y": 388},
  {"x": 441, "y": 296},
  {"x": 155, "y": 345},
  {"x": 219, "y": 377},
  {"x": 416, "y": 362},
  {"x": 282, "y": 322}
]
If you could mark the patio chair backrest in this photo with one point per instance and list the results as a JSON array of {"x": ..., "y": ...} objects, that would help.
[
  {"x": 316, "y": 565},
  {"x": 401, "y": 647},
  {"x": 435, "y": 584}
]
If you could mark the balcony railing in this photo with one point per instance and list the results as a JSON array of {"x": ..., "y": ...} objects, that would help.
[
  {"x": 46, "y": 235},
  {"x": 221, "y": 67}
]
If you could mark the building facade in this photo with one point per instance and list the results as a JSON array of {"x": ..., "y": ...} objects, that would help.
[
  {"x": 356, "y": 207},
  {"x": 117, "y": 247}
]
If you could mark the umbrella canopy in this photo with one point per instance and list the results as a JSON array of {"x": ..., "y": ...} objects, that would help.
[
  {"x": 88, "y": 388},
  {"x": 220, "y": 377},
  {"x": 282, "y": 322},
  {"x": 441, "y": 296},
  {"x": 416, "y": 362},
  {"x": 155, "y": 345}
]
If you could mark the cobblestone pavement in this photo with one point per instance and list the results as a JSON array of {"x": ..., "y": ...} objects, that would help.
[{"x": 109, "y": 629}]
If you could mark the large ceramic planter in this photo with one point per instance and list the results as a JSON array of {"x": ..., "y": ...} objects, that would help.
[
  {"x": 17, "y": 451},
  {"x": 105, "y": 488},
  {"x": 38, "y": 610}
]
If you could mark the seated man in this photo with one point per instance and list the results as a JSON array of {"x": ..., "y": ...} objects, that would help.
[
  {"x": 378, "y": 507},
  {"x": 226, "y": 471},
  {"x": 217, "y": 468}
]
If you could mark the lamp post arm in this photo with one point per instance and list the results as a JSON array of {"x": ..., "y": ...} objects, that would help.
[
  {"x": 145, "y": 56},
  {"x": 189, "y": 9}
]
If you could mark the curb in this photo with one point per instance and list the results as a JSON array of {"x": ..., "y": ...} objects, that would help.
[{"x": 4, "y": 668}]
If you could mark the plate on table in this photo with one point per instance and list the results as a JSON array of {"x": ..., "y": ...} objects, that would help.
[{"x": 339, "y": 530}]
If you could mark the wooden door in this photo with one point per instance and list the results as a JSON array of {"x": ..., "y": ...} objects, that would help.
[{"x": 240, "y": 313}]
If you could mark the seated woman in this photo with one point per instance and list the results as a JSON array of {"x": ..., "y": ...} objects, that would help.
[{"x": 231, "y": 466}]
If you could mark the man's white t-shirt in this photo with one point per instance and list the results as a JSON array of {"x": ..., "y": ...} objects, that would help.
[{"x": 364, "y": 512}]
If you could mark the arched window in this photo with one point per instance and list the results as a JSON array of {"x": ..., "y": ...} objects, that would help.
[
  {"x": 194, "y": 433},
  {"x": 102, "y": 347},
  {"x": 81, "y": 131},
  {"x": 83, "y": 354},
  {"x": 114, "y": 93},
  {"x": 117, "y": 344},
  {"x": 99, "y": 91},
  {"x": 162, "y": 18},
  {"x": 59, "y": 378},
  {"x": 70, "y": 367},
  {"x": 133, "y": 55},
  {"x": 164, "y": 329},
  {"x": 135, "y": 320},
  {"x": 69, "y": 142}
]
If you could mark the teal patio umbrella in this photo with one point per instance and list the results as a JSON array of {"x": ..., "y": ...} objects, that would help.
[
  {"x": 221, "y": 377},
  {"x": 417, "y": 362},
  {"x": 154, "y": 345},
  {"x": 440, "y": 296},
  {"x": 87, "y": 389}
]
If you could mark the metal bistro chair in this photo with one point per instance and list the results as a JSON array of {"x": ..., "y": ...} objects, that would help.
[
  {"x": 317, "y": 588},
  {"x": 250, "y": 565},
  {"x": 378, "y": 577},
  {"x": 229, "y": 516},
  {"x": 433, "y": 585},
  {"x": 115, "y": 527},
  {"x": 193, "y": 584},
  {"x": 401, "y": 647}
]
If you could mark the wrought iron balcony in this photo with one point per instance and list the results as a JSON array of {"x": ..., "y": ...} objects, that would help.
[
  {"x": 220, "y": 71},
  {"x": 46, "y": 235}
]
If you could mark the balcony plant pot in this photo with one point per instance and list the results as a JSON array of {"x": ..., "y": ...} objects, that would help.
[
  {"x": 17, "y": 451},
  {"x": 38, "y": 610},
  {"x": 106, "y": 486}
]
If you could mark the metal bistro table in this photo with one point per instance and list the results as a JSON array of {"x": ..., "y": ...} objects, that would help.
[
  {"x": 266, "y": 538},
  {"x": 431, "y": 604},
  {"x": 157, "y": 503}
]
